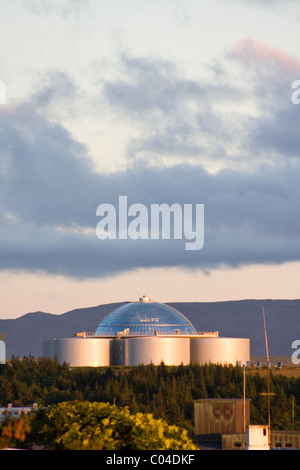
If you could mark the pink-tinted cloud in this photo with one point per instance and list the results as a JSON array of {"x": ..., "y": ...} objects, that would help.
[{"x": 260, "y": 54}]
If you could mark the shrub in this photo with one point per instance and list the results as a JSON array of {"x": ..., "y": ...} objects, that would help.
[{"x": 81, "y": 425}]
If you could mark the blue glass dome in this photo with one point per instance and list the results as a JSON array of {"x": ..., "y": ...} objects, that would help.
[{"x": 144, "y": 318}]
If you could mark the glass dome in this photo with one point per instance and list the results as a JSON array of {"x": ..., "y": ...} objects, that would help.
[{"x": 144, "y": 318}]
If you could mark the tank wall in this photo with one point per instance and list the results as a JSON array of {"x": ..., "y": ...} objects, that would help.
[
  {"x": 116, "y": 352},
  {"x": 82, "y": 352},
  {"x": 48, "y": 348},
  {"x": 2, "y": 352},
  {"x": 220, "y": 350},
  {"x": 155, "y": 349}
]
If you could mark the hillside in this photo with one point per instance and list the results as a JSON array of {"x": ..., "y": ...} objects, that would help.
[{"x": 243, "y": 318}]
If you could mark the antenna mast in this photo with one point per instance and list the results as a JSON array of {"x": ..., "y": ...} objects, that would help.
[
  {"x": 266, "y": 338},
  {"x": 268, "y": 366}
]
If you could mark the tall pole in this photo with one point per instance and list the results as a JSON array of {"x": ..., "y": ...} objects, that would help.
[
  {"x": 268, "y": 366},
  {"x": 268, "y": 372},
  {"x": 244, "y": 401},
  {"x": 266, "y": 339}
]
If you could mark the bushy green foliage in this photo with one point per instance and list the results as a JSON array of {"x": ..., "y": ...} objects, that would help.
[{"x": 81, "y": 425}]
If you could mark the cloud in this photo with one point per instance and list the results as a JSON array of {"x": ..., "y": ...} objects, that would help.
[
  {"x": 50, "y": 192},
  {"x": 262, "y": 55},
  {"x": 178, "y": 117},
  {"x": 210, "y": 120},
  {"x": 62, "y": 8},
  {"x": 56, "y": 95},
  {"x": 279, "y": 133},
  {"x": 264, "y": 3},
  {"x": 273, "y": 132},
  {"x": 41, "y": 165}
]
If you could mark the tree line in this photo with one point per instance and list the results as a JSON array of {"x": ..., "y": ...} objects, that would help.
[{"x": 166, "y": 392}]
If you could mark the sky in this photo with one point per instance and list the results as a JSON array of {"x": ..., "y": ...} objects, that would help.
[{"x": 174, "y": 101}]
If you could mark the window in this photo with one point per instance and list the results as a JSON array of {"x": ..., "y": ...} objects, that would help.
[{"x": 237, "y": 444}]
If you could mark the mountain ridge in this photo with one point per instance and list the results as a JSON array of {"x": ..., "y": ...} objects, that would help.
[{"x": 24, "y": 335}]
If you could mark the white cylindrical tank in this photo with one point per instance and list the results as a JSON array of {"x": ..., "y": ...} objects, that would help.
[
  {"x": 48, "y": 348},
  {"x": 82, "y": 352},
  {"x": 220, "y": 350},
  {"x": 155, "y": 349},
  {"x": 2, "y": 352}
]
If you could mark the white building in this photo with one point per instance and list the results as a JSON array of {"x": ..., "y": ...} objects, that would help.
[
  {"x": 257, "y": 437},
  {"x": 147, "y": 332},
  {"x": 11, "y": 412}
]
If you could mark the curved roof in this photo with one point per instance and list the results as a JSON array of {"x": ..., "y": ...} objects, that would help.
[{"x": 144, "y": 318}]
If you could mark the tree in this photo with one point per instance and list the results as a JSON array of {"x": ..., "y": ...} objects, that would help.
[
  {"x": 89, "y": 426},
  {"x": 13, "y": 432}
]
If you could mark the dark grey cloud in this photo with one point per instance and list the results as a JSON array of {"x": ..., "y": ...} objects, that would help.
[
  {"x": 157, "y": 85},
  {"x": 280, "y": 132},
  {"x": 41, "y": 165},
  {"x": 50, "y": 192}
]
